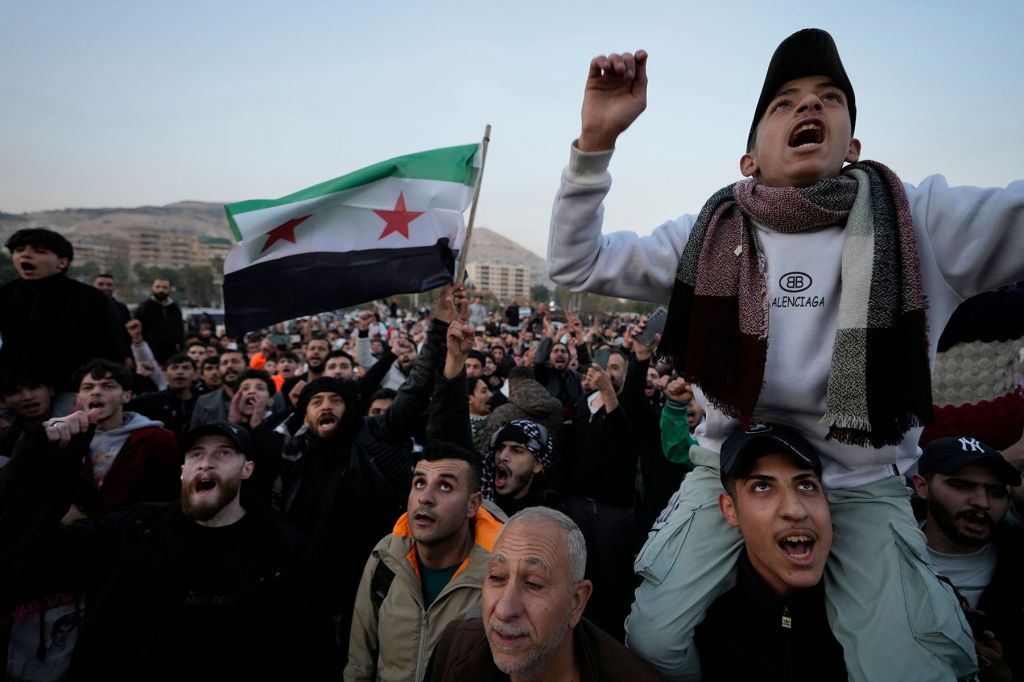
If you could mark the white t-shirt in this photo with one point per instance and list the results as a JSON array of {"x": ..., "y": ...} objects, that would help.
[{"x": 969, "y": 573}]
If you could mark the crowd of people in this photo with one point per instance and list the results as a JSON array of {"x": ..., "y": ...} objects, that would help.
[{"x": 471, "y": 493}]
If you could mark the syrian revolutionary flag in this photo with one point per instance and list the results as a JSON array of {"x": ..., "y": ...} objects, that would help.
[{"x": 394, "y": 227}]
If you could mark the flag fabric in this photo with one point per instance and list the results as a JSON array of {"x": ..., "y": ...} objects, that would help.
[{"x": 394, "y": 227}]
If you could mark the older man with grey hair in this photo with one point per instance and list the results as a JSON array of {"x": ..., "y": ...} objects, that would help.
[{"x": 532, "y": 626}]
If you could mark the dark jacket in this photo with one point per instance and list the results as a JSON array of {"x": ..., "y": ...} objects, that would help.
[
  {"x": 528, "y": 400},
  {"x": 348, "y": 491},
  {"x": 602, "y": 463},
  {"x": 135, "y": 567},
  {"x": 162, "y": 327},
  {"x": 1003, "y": 599},
  {"x": 55, "y": 325},
  {"x": 565, "y": 384},
  {"x": 165, "y": 406},
  {"x": 751, "y": 634},
  {"x": 542, "y": 494},
  {"x": 463, "y": 655}
]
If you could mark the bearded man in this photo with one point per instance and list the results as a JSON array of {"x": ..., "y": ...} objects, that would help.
[{"x": 201, "y": 589}]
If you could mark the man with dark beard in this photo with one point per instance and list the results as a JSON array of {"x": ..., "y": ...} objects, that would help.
[
  {"x": 316, "y": 357},
  {"x": 965, "y": 485},
  {"x": 513, "y": 472},
  {"x": 204, "y": 589},
  {"x": 161, "y": 321},
  {"x": 330, "y": 489},
  {"x": 216, "y": 404}
]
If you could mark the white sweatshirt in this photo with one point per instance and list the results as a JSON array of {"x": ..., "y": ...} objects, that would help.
[{"x": 970, "y": 240}]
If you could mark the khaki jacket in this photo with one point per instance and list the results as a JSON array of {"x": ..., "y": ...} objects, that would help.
[{"x": 394, "y": 644}]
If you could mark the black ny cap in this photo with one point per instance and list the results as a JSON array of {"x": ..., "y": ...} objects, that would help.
[
  {"x": 744, "y": 446},
  {"x": 808, "y": 52},
  {"x": 233, "y": 432},
  {"x": 950, "y": 455}
]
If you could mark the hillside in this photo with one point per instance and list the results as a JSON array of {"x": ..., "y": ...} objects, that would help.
[{"x": 206, "y": 219}]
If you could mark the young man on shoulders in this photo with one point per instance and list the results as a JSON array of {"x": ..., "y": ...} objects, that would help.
[
  {"x": 38, "y": 309},
  {"x": 800, "y": 294}
]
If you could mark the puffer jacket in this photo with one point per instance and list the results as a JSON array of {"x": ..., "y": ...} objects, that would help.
[
  {"x": 528, "y": 399},
  {"x": 393, "y": 642}
]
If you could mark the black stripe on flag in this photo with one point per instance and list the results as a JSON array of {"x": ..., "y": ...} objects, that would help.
[{"x": 309, "y": 283}]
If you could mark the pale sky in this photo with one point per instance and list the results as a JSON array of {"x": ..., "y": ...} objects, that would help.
[{"x": 142, "y": 103}]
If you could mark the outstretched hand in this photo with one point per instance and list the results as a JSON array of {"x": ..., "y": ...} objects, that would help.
[
  {"x": 615, "y": 95},
  {"x": 63, "y": 429}
]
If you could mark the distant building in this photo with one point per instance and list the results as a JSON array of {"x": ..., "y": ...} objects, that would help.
[
  {"x": 205, "y": 249},
  {"x": 504, "y": 281},
  {"x": 102, "y": 250},
  {"x": 151, "y": 247}
]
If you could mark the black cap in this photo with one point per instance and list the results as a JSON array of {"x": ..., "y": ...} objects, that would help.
[
  {"x": 808, "y": 52},
  {"x": 949, "y": 455},
  {"x": 233, "y": 432},
  {"x": 744, "y": 446}
]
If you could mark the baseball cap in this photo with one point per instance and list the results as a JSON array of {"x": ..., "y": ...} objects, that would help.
[
  {"x": 233, "y": 432},
  {"x": 808, "y": 52},
  {"x": 746, "y": 445},
  {"x": 949, "y": 455}
]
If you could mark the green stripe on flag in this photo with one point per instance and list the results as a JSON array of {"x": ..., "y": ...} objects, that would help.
[{"x": 450, "y": 164}]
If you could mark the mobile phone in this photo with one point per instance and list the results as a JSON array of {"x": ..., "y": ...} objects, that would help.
[
  {"x": 564, "y": 339},
  {"x": 655, "y": 325},
  {"x": 601, "y": 357}
]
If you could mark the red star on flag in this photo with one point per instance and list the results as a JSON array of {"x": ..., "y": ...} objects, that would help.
[
  {"x": 398, "y": 219},
  {"x": 285, "y": 231}
]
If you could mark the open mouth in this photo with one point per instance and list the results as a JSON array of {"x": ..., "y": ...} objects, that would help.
[
  {"x": 327, "y": 422},
  {"x": 205, "y": 486},
  {"x": 95, "y": 405},
  {"x": 806, "y": 135},
  {"x": 422, "y": 518},
  {"x": 797, "y": 547},
  {"x": 501, "y": 476},
  {"x": 977, "y": 520},
  {"x": 26, "y": 266}
]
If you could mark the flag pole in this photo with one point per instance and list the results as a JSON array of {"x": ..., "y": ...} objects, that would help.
[{"x": 460, "y": 267}]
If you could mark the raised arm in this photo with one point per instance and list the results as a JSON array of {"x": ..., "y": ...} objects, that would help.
[
  {"x": 36, "y": 488},
  {"x": 449, "y": 409},
  {"x": 579, "y": 257},
  {"x": 615, "y": 95},
  {"x": 413, "y": 399}
]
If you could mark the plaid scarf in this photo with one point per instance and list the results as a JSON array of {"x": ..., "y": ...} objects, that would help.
[{"x": 716, "y": 334}]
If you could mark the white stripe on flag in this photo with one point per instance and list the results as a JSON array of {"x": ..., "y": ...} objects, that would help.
[{"x": 420, "y": 195}]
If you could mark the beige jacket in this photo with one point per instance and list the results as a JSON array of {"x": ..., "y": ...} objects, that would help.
[{"x": 394, "y": 644}]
